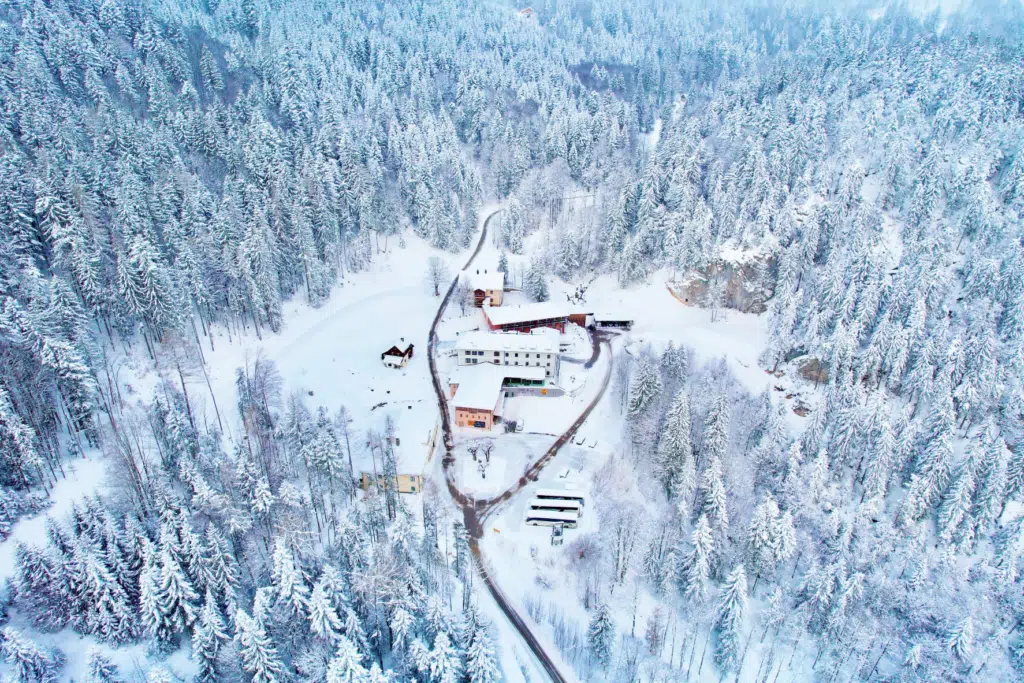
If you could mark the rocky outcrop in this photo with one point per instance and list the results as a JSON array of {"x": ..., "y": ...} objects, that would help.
[
  {"x": 745, "y": 286},
  {"x": 813, "y": 369}
]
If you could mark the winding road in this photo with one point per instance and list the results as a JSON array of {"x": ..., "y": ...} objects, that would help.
[{"x": 476, "y": 511}]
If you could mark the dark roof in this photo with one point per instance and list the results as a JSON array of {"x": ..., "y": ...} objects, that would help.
[{"x": 395, "y": 351}]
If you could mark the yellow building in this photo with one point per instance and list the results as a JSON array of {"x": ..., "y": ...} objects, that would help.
[
  {"x": 407, "y": 483},
  {"x": 486, "y": 286}
]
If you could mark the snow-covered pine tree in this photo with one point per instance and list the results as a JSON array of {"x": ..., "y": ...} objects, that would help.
[
  {"x": 675, "y": 450},
  {"x": 765, "y": 539},
  {"x": 535, "y": 283},
  {"x": 29, "y": 662},
  {"x": 346, "y": 665},
  {"x": 444, "y": 663},
  {"x": 601, "y": 636},
  {"x": 260, "y": 658},
  {"x": 292, "y": 593},
  {"x": 100, "y": 669},
  {"x": 716, "y": 431},
  {"x": 153, "y": 607},
  {"x": 481, "y": 657},
  {"x": 177, "y": 596},
  {"x": 697, "y": 562},
  {"x": 714, "y": 503},
  {"x": 729, "y": 615},
  {"x": 324, "y": 622},
  {"x": 38, "y": 582},
  {"x": 207, "y": 638},
  {"x": 645, "y": 389}
]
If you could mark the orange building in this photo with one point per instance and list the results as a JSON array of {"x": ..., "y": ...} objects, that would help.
[{"x": 478, "y": 393}]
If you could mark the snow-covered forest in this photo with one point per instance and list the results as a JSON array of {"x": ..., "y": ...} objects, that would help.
[{"x": 171, "y": 169}]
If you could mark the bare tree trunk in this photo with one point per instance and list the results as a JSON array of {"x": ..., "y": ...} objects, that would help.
[
  {"x": 212, "y": 396},
  {"x": 703, "y": 652},
  {"x": 184, "y": 391}
]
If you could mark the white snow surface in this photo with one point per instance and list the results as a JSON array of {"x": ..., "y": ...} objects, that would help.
[{"x": 85, "y": 477}]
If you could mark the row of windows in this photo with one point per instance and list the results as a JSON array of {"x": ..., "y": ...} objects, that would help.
[
  {"x": 497, "y": 354},
  {"x": 474, "y": 361}
]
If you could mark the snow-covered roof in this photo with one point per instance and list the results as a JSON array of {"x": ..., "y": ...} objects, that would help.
[
  {"x": 484, "y": 279},
  {"x": 541, "y": 340},
  {"x": 544, "y": 310},
  {"x": 480, "y": 385}
]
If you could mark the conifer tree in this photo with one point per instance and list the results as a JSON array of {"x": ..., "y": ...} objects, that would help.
[
  {"x": 713, "y": 498},
  {"x": 729, "y": 615},
  {"x": 535, "y": 284},
  {"x": 697, "y": 562},
  {"x": 210, "y": 634},
  {"x": 675, "y": 450},
  {"x": 443, "y": 661},
  {"x": 769, "y": 545},
  {"x": 29, "y": 662},
  {"x": 260, "y": 658},
  {"x": 178, "y": 597},
  {"x": 716, "y": 430},
  {"x": 601, "y": 636},
  {"x": 645, "y": 388},
  {"x": 481, "y": 658},
  {"x": 292, "y": 593},
  {"x": 100, "y": 669},
  {"x": 346, "y": 665},
  {"x": 153, "y": 606},
  {"x": 324, "y": 622}
]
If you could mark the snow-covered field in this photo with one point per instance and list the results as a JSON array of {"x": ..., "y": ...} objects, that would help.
[{"x": 332, "y": 354}]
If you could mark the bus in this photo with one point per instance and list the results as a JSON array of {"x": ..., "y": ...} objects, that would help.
[
  {"x": 550, "y": 518},
  {"x": 556, "y": 505},
  {"x": 560, "y": 494}
]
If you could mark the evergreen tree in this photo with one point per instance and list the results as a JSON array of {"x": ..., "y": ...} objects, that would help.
[
  {"x": 154, "y": 610},
  {"x": 675, "y": 450},
  {"x": 260, "y": 658},
  {"x": 346, "y": 666},
  {"x": 177, "y": 596},
  {"x": 292, "y": 593},
  {"x": 960, "y": 639},
  {"x": 713, "y": 497},
  {"x": 443, "y": 661},
  {"x": 210, "y": 634},
  {"x": 601, "y": 636},
  {"x": 768, "y": 543},
  {"x": 729, "y": 615},
  {"x": 324, "y": 622},
  {"x": 716, "y": 430},
  {"x": 535, "y": 284},
  {"x": 645, "y": 389},
  {"x": 29, "y": 662},
  {"x": 503, "y": 266},
  {"x": 481, "y": 658},
  {"x": 697, "y": 562},
  {"x": 100, "y": 669}
]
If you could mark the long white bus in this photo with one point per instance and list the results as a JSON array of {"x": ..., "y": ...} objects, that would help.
[
  {"x": 557, "y": 505},
  {"x": 551, "y": 518},
  {"x": 560, "y": 494}
]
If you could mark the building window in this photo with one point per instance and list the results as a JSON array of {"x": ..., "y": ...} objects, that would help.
[
  {"x": 497, "y": 353},
  {"x": 517, "y": 356}
]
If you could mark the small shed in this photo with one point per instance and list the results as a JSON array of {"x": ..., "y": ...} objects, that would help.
[
  {"x": 395, "y": 357},
  {"x": 612, "y": 321}
]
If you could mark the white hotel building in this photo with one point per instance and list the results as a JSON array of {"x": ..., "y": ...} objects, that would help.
[{"x": 538, "y": 349}]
